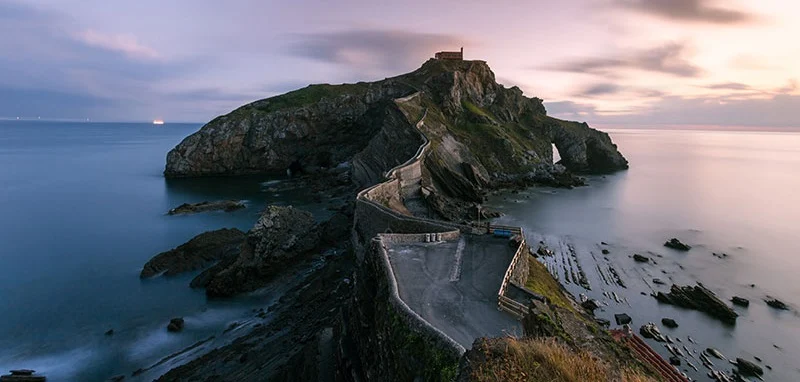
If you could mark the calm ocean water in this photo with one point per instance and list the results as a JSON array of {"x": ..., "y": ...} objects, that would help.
[
  {"x": 724, "y": 192},
  {"x": 83, "y": 208}
]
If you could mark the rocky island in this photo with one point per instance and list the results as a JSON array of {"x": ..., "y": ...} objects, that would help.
[{"x": 415, "y": 155}]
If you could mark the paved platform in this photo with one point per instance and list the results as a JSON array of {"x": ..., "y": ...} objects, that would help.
[{"x": 453, "y": 285}]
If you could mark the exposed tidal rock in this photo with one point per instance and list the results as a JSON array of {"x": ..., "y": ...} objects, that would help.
[
  {"x": 176, "y": 324},
  {"x": 741, "y": 301},
  {"x": 698, "y": 298},
  {"x": 641, "y": 259},
  {"x": 622, "y": 319},
  {"x": 748, "y": 368},
  {"x": 199, "y": 252},
  {"x": 777, "y": 304},
  {"x": 668, "y": 322},
  {"x": 674, "y": 243},
  {"x": 219, "y": 205},
  {"x": 22, "y": 375},
  {"x": 281, "y": 236}
]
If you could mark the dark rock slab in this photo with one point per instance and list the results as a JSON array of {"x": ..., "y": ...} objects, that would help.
[
  {"x": 176, "y": 324},
  {"x": 282, "y": 236},
  {"x": 641, "y": 259},
  {"x": 674, "y": 360},
  {"x": 199, "y": 252},
  {"x": 674, "y": 243},
  {"x": 206, "y": 206},
  {"x": 668, "y": 322},
  {"x": 741, "y": 301},
  {"x": 777, "y": 304},
  {"x": 22, "y": 375},
  {"x": 698, "y": 298},
  {"x": 605, "y": 251},
  {"x": 748, "y": 368},
  {"x": 622, "y": 319},
  {"x": 590, "y": 305}
]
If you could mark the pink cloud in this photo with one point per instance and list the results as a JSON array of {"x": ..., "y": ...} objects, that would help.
[{"x": 125, "y": 44}]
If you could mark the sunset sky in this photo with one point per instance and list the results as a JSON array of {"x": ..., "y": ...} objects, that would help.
[{"x": 613, "y": 62}]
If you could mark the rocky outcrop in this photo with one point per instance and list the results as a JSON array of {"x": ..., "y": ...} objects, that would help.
[
  {"x": 22, "y": 375},
  {"x": 777, "y": 304},
  {"x": 674, "y": 243},
  {"x": 699, "y": 298},
  {"x": 219, "y": 205},
  {"x": 583, "y": 149},
  {"x": 741, "y": 301},
  {"x": 199, "y": 252},
  {"x": 748, "y": 368},
  {"x": 176, "y": 324},
  {"x": 282, "y": 236},
  {"x": 480, "y": 131}
]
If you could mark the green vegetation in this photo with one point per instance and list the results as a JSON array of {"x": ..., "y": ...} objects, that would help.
[
  {"x": 538, "y": 359},
  {"x": 475, "y": 109},
  {"x": 308, "y": 95},
  {"x": 543, "y": 283}
]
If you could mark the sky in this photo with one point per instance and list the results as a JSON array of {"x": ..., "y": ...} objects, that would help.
[{"x": 617, "y": 62}]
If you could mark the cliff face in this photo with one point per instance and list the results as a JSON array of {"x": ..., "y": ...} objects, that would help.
[{"x": 472, "y": 119}]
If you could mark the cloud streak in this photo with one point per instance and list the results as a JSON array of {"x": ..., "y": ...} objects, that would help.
[
  {"x": 125, "y": 44},
  {"x": 608, "y": 89},
  {"x": 689, "y": 11},
  {"x": 390, "y": 50},
  {"x": 667, "y": 59}
]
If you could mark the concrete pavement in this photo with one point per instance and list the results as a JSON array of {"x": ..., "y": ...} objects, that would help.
[{"x": 456, "y": 290}]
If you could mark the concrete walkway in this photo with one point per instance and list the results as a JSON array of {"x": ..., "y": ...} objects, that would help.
[{"x": 456, "y": 290}]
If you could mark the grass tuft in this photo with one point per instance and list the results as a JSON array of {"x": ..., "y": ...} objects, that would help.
[{"x": 541, "y": 359}]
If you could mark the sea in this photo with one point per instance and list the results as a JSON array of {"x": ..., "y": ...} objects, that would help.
[
  {"x": 730, "y": 193},
  {"x": 84, "y": 207}
]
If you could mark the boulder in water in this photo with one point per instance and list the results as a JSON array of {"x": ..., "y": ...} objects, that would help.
[
  {"x": 641, "y": 259},
  {"x": 176, "y": 324},
  {"x": 622, "y": 319},
  {"x": 205, "y": 206},
  {"x": 741, "y": 301},
  {"x": 699, "y": 298},
  {"x": 668, "y": 322},
  {"x": 777, "y": 304},
  {"x": 748, "y": 368},
  {"x": 674, "y": 243},
  {"x": 22, "y": 375}
]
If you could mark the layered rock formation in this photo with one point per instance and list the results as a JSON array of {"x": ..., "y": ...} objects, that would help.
[
  {"x": 480, "y": 130},
  {"x": 282, "y": 236},
  {"x": 699, "y": 298},
  {"x": 200, "y": 252}
]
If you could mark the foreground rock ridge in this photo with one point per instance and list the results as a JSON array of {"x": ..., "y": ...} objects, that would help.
[{"x": 437, "y": 139}]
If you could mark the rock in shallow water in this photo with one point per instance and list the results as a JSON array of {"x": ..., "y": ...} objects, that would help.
[
  {"x": 176, "y": 324},
  {"x": 674, "y": 243},
  {"x": 748, "y": 368},
  {"x": 741, "y": 301},
  {"x": 668, "y": 322},
  {"x": 777, "y": 304},
  {"x": 622, "y": 319},
  {"x": 219, "y": 205},
  {"x": 699, "y": 298},
  {"x": 22, "y": 375},
  {"x": 199, "y": 252},
  {"x": 641, "y": 259}
]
